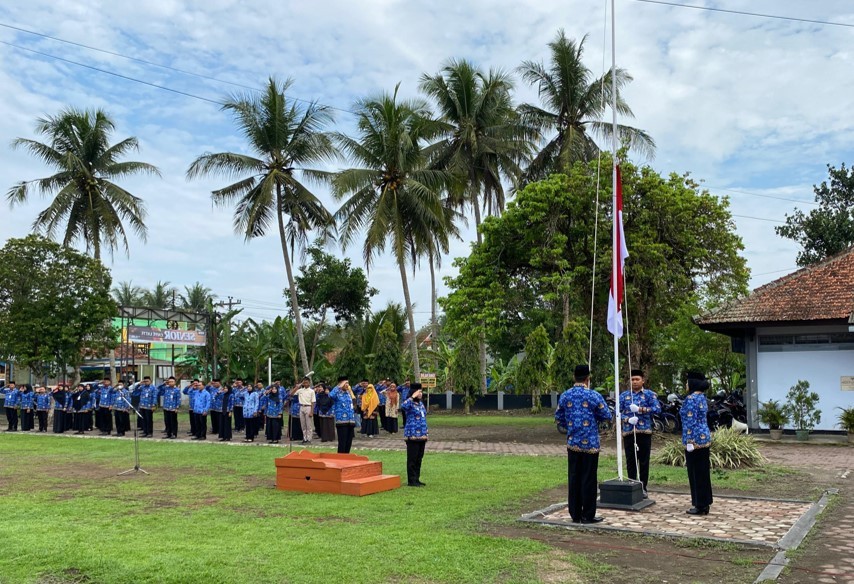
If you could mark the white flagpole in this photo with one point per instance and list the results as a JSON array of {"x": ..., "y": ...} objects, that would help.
[{"x": 616, "y": 251}]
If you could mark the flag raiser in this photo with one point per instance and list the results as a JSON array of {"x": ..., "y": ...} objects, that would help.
[{"x": 615, "y": 297}]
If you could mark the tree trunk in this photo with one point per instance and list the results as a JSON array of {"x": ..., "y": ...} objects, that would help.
[
  {"x": 413, "y": 340},
  {"x": 476, "y": 205},
  {"x": 481, "y": 353},
  {"x": 317, "y": 335},
  {"x": 433, "y": 302},
  {"x": 565, "y": 312},
  {"x": 291, "y": 283},
  {"x": 112, "y": 365}
]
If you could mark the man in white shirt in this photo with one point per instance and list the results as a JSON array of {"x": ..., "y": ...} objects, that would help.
[{"x": 307, "y": 398}]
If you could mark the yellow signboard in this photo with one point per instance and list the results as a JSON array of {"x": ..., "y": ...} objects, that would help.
[{"x": 428, "y": 380}]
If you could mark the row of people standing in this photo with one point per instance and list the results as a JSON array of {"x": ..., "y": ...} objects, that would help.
[{"x": 26, "y": 405}]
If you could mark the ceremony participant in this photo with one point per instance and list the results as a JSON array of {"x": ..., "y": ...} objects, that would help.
[
  {"x": 294, "y": 424},
  {"x": 121, "y": 408},
  {"x": 147, "y": 405},
  {"x": 226, "y": 411},
  {"x": 201, "y": 407},
  {"x": 325, "y": 414},
  {"x": 381, "y": 389},
  {"x": 637, "y": 406},
  {"x": 239, "y": 397},
  {"x": 190, "y": 392},
  {"x": 392, "y": 407},
  {"x": 60, "y": 394},
  {"x": 27, "y": 408},
  {"x": 318, "y": 389},
  {"x": 251, "y": 407},
  {"x": 42, "y": 404},
  {"x": 697, "y": 438},
  {"x": 80, "y": 401},
  {"x": 580, "y": 410},
  {"x": 171, "y": 405},
  {"x": 415, "y": 434},
  {"x": 13, "y": 398},
  {"x": 91, "y": 407},
  {"x": 306, "y": 399},
  {"x": 370, "y": 404},
  {"x": 136, "y": 395},
  {"x": 103, "y": 415},
  {"x": 273, "y": 409},
  {"x": 345, "y": 420},
  {"x": 216, "y": 390}
]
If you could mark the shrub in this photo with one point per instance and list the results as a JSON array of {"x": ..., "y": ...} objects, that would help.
[
  {"x": 730, "y": 449},
  {"x": 773, "y": 414},
  {"x": 802, "y": 406},
  {"x": 846, "y": 419}
]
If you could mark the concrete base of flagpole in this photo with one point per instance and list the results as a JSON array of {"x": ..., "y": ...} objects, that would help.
[{"x": 625, "y": 495}]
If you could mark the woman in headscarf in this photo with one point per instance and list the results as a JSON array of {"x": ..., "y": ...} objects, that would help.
[
  {"x": 326, "y": 415},
  {"x": 225, "y": 433},
  {"x": 59, "y": 409},
  {"x": 392, "y": 407},
  {"x": 80, "y": 405},
  {"x": 27, "y": 408},
  {"x": 370, "y": 403},
  {"x": 697, "y": 439}
]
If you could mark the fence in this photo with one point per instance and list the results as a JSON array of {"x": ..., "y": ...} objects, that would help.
[{"x": 491, "y": 401}]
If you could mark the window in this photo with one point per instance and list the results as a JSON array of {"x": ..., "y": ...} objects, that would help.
[{"x": 807, "y": 342}]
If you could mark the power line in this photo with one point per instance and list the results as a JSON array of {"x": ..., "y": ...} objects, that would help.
[
  {"x": 758, "y": 218},
  {"x": 119, "y": 75},
  {"x": 743, "y": 13},
  {"x": 775, "y": 272},
  {"x": 761, "y": 195}
]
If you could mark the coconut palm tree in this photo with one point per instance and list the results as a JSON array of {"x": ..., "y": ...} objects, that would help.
[
  {"x": 283, "y": 138},
  {"x": 162, "y": 296},
  {"x": 484, "y": 141},
  {"x": 392, "y": 195},
  {"x": 126, "y": 294},
  {"x": 574, "y": 104},
  {"x": 86, "y": 199},
  {"x": 197, "y": 298}
]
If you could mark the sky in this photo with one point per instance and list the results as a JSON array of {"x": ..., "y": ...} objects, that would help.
[{"x": 755, "y": 108}]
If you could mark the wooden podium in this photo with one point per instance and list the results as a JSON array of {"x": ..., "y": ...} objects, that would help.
[{"x": 340, "y": 474}]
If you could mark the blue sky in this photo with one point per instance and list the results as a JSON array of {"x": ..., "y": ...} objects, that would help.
[{"x": 753, "y": 107}]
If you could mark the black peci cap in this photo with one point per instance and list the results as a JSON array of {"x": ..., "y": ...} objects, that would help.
[{"x": 582, "y": 372}]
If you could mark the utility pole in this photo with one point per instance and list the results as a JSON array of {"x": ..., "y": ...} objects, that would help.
[{"x": 229, "y": 305}]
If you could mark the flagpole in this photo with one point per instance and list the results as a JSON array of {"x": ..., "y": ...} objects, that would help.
[{"x": 616, "y": 244}]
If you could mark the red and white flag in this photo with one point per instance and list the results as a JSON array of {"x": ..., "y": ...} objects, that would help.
[{"x": 621, "y": 252}]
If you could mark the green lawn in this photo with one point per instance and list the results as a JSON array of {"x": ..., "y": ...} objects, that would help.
[{"x": 209, "y": 513}]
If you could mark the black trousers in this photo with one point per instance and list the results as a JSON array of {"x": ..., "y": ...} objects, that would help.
[
  {"x": 12, "y": 418},
  {"x": 239, "y": 420},
  {"x": 699, "y": 477},
  {"x": 644, "y": 444},
  {"x": 201, "y": 426},
  {"x": 106, "y": 420},
  {"x": 414, "y": 456},
  {"x": 250, "y": 426},
  {"x": 122, "y": 421},
  {"x": 225, "y": 427},
  {"x": 345, "y": 437},
  {"x": 216, "y": 416},
  {"x": 27, "y": 420},
  {"x": 147, "y": 421},
  {"x": 42, "y": 417},
  {"x": 582, "y": 468},
  {"x": 170, "y": 418},
  {"x": 79, "y": 423},
  {"x": 295, "y": 429},
  {"x": 274, "y": 429}
]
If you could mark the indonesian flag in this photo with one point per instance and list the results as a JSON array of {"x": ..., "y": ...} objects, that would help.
[{"x": 621, "y": 252}]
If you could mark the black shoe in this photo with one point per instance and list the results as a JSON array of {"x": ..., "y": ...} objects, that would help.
[
  {"x": 594, "y": 520},
  {"x": 414, "y": 485},
  {"x": 420, "y": 484},
  {"x": 698, "y": 511},
  {"x": 645, "y": 495}
]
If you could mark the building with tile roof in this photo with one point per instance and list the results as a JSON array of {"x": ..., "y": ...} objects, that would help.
[{"x": 800, "y": 326}]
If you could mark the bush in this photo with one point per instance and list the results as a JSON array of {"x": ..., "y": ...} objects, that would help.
[
  {"x": 729, "y": 450},
  {"x": 802, "y": 406}
]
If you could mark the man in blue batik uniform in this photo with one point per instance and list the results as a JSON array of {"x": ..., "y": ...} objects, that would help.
[
  {"x": 415, "y": 434},
  {"x": 171, "y": 394},
  {"x": 345, "y": 419},
  {"x": 147, "y": 405},
  {"x": 636, "y": 409},
  {"x": 13, "y": 398},
  {"x": 201, "y": 407},
  {"x": 103, "y": 416},
  {"x": 239, "y": 399},
  {"x": 580, "y": 409}
]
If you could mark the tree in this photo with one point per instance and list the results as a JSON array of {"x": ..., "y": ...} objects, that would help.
[
  {"x": 569, "y": 351},
  {"x": 54, "y": 304},
  {"x": 534, "y": 369},
  {"x": 387, "y": 361},
  {"x": 829, "y": 229},
  {"x": 392, "y": 195},
  {"x": 126, "y": 294},
  {"x": 162, "y": 296},
  {"x": 574, "y": 105},
  {"x": 464, "y": 369},
  {"x": 284, "y": 138},
  {"x": 197, "y": 298},
  {"x": 86, "y": 198}
]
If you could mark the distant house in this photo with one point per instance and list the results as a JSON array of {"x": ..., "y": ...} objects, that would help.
[{"x": 800, "y": 326}]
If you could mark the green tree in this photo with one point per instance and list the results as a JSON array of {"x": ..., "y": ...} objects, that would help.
[
  {"x": 126, "y": 294},
  {"x": 55, "y": 305},
  {"x": 569, "y": 351},
  {"x": 464, "y": 370},
  {"x": 162, "y": 296},
  {"x": 86, "y": 197},
  {"x": 284, "y": 139},
  {"x": 828, "y": 229},
  {"x": 534, "y": 369},
  {"x": 387, "y": 361},
  {"x": 574, "y": 104},
  {"x": 197, "y": 298},
  {"x": 392, "y": 195}
]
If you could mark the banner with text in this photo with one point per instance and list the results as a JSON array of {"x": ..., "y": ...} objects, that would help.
[{"x": 150, "y": 334}]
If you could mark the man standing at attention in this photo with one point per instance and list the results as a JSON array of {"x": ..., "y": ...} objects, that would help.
[
  {"x": 307, "y": 398},
  {"x": 580, "y": 409},
  {"x": 636, "y": 409},
  {"x": 201, "y": 407},
  {"x": 171, "y": 404},
  {"x": 147, "y": 405}
]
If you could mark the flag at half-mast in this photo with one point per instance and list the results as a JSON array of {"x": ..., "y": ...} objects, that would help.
[{"x": 615, "y": 297}]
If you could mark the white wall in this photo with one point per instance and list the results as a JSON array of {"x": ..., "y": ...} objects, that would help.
[{"x": 777, "y": 372}]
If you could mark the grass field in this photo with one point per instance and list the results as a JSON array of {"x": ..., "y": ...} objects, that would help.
[{"x": 209, "y": 513}]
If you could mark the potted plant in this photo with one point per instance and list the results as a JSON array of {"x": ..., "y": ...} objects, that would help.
[
  {"x": 801, "y": 407},
  {"x": 773, "y": 415},
  {"x": 846, "y": 422}
]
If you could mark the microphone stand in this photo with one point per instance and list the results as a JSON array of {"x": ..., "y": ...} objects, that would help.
[{"x": 136, "y": 467}]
